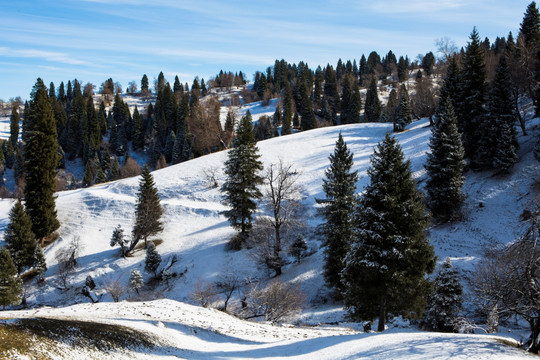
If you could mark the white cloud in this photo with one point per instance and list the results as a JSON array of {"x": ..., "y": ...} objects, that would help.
[
  {"x": 416, "y": 6},
  {"x": 40, "y": 54}
]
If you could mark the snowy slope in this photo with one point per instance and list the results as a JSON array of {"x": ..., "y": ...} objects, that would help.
[{"x": 196, "y": 232}]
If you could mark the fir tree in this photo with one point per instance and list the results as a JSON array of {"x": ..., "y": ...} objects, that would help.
[
  {"x": 138, "y": 131},
  {"x": 114, "y": 172},
  {"x": 136, "y": 280},
  {"x": 499, "y": 141},
  {"x": 20, "y": 240},
  {"x": 445, "y": 164},
  {"x": 386, "y": 267},
  {"x": 118, "y": 239},
  {"x": 530, "y": 26},
  {"x": 152, "y": 260},
  {"x": 403, "y": 112},
  {"x": 337, "y": 229},
  {"x": 298, "y": 248},
  {"x": 100, "y": 176},
  {"x": 241, "y": 188},
  {"x": 40, "y": 266},
  {"x": 372, "y": 108},
  {"x": 389, "y": 112},
  {"x": 14, "y": 126},
  {"x": 445, "y": 303},
  {"x": 41, "y": 160},
  {"x": 288, "y": 110},
  {"x": 355, "y": 104},
  {"x": 451, "y": 84},
  {"x": 148, "y": 211},
  {"x": 10, "y": 283},
  {"x": 309, "y": 121},
  {"x": 88, "y": 178}
]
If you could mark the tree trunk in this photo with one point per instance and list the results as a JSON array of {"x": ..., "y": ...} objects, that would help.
[
  {"x": 534, "y": 347},
  {"x": 382, "y": 313}
]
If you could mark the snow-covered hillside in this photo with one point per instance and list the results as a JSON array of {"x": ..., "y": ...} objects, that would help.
[{"x": 196, "y": 233}]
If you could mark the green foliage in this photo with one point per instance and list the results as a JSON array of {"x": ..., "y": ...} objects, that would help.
[
  {"x": 530, "y": 26},
  {"x": 445, "y": 164},
  {"x": 152, "y": 260},
  {"x": 386, "y": 267},
  {"x": 10, "y": 284},
  {"x": 337, "y": 228},
  {"x": 372, "y": 108},
  {"x": 242, "y": 168},
  {"x": 118, "y": 239},
  {"x": 136, "y": 280},
  {"x": 14, "y": 126},
  {"x": 41, "y": 160},
  {"x": 403, "y": 115},
  {"x": 20, "y": 240}
]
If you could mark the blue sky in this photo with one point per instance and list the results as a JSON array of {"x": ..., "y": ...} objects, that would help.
[{"x": 92, "y": 40}]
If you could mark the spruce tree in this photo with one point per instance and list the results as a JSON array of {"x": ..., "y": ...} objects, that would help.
[
  {"x": 530, "y": 26},
  {"x": 355, "y": 104},
  {"x": 389, "y": 112},
  {"x": 337, "y": 228},
  {"x": 138, "y": 131},
  {"x": 88, "y": 178},
  {"x": 118, "y": 239},
  {"x": 148, "y": 210},
  {"x": 298, "y": 248},
  {"x": 10, "y": 283},
  {"x": 499, "y": 141},
  {"x": 241, "y": 188},
  {"x": 136, "y": 280},
  {"x": 41, "y": 160},
  {"x": 403, "y": 112},
  {"x": 14, "y": 126},
  {"x": 20, "y": 240},
  {"x": 372, "y": 108},
  {"x": 451, "y": 84},
  {"x": 288, "y": 110},
  {"x": 386, "y": 267},
  {"x": 152, "y": 260},
  {"x": 445, "y": 303},
  {"x": 308, "y": 119},
  {"x": 445, "y": 164}
]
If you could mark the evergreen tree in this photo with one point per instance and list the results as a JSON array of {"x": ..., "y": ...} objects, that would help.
[
  {"x": 9, "y": 153},
  {"x": 499, "y": 142},
  {"x": 470, "y": 109},
  {"x": 337, "y": 229},
  {"x": 10, "y": 283},
  {"x": 169, "y": 147},
  {"x": 451, "y": 84},
  {"x": 445, "y": 164},
  {"x": 386, "y": 267},
  {"x": 14, "y": 126},
  {"x": 118, "y": 239},
  {"x": 530, "y": 26},
  {"x": 40, "y": 266},
  {"x": 138, "y": 131},
  {"x": 152, "y": 260},
  {"x": 309, "y": 121},
  {"x": 88, "y": 178},
  {"x": 355, "y": 104},
  {"x": 144, "y": 86},
  {"x": 389, "y": 112},
  {"x": 114, "y": 173},
  {"x": 136, "y": 280},
  {"x": 298, "y": 248},
  {"x": 445, "y": 303},
  {"x": 403, "y": 112},
  {"x": 372, "y": 108},
  {"x": 20, "y": 240},
  {"x": 100, "y": 176},
  {"x": 242, "y": 168},
  {"x": 41, "y": 160},
  {"x": 148, "y": 211},
  {"x": 288, "y": 110}
]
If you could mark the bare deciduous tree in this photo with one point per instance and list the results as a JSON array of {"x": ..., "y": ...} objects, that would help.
[
  {"x": 205, "y": 294},
  {"x": 508, "y": 278},
  {"x": 227, "y": 284},
  {"x": 116, "y": 289},
  {"x": 283, "y": 200},
  {"x": 67, "y": 260}
]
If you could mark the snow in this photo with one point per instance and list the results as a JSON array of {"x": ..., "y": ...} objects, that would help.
[{"x": 197, "y": 233}]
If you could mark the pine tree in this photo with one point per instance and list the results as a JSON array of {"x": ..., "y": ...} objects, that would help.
[
  {"x": 136, "y": 280},
  {"x": 372, "y": 108},
  {"x": 386, "y": 267},
  {"x": 403, "y": 112},
  {"x": 241, "y": 188},
  {"x": 20, "y": 240},
  {"x": 10, "y": 283},
  {"x": 309, "y": 121},
  {"x": 389, "y": 112},
  {"x": 445, "y": 303},
  {"x": 138, "y": 131},
  {"x": 41, "y": 160},
  {"x": 530, "y": 26},
  {"x": 337, "y": 229},
  {"x": 88, "y": 178},
  {"x": 100, "y": 176},
  {"x": 288, "y": 110},
  {"x": 499, "y": 142},
  {"x": 148, "y": 211},
  {"x": 298, "y": 248},
  {"x": 40, "y": 265},
  {"x": 451, "y": 84},
  {"x": 118, "y": 239},
  {"x": 14, "y": 126},
  {"x": 152, "y": 260},
  {"x": 114, "y": 172},
  {"x": 445, "y": 164},
  {"x": 355, "y": 105}
]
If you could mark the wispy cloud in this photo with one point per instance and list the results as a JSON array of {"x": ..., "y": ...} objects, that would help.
[
  {"x": 416, "y": 6},
  {"x": 40, "y": 54}
]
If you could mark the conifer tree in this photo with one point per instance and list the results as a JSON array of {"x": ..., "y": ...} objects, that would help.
[
  {"x": 114, "y": 172},
  {"x": 309, "y": 121},
  {"x": 298, "y": 247},
  {"x": 445, "y": 164},
  {"x": 288, "y": 110},
  {"x": 530, "y": 26},
  {"x": 499, "y": 140},
  {"x": 20, "y": 240},
  {"x": 10, "y": 283},
  {"x": 389, "y": 112},
  {"x": 451, "y": 84},
  {"x": 88, "y": 178},
  {"x": 372, "y": 108},
  {"x": 345, "y": 101},
  {"x": 138, "y": 131},
  {"x": 14, "y": 126},
  {"x": 136, "y": 280},
  {"x": 148, "y": 211},
  {"x": 118, "y": 239},
  {"x": 152, "y": 260},
  {"x": 403, "y": 112},
  {"x": 445, "y": 303},
  {"x": 40, "y": 265},
  {"x": 41, "y": 160},
  {"x": 337, "y": 229},
  {"x": 100, "y": 176},
  {"x": 241, "y": 188},
  {"x": 386, "y": 267},
  {"x": 355, "y": 104}
]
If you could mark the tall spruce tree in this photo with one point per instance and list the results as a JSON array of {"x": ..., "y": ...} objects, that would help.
[
  {"x": 241, "y": 188},
  {"x": 14, "y": 126},
  {"x": 451, "y": 84},
  {"x": 372, "y": 108},
  {"x": 385, "y": 270},
  {"x": 337, "y": 228},
  {"x": 445, "y": 164},
  {"x": 148, "y": 210},
  {"x": 152, "y": 259},
  {"x": 445, "y": 303},
  {"x": 499, "y": 141},
  {"x": 10, "y": 283},
  {"x": 403, "y": 115},
  {"x": 530, "y": 26},
  {"x": 41, "y": 160},
  {"x": 20, "y": 240}
]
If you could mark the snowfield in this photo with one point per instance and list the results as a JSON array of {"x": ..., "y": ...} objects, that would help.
[{"x": 196, "y": 234}]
